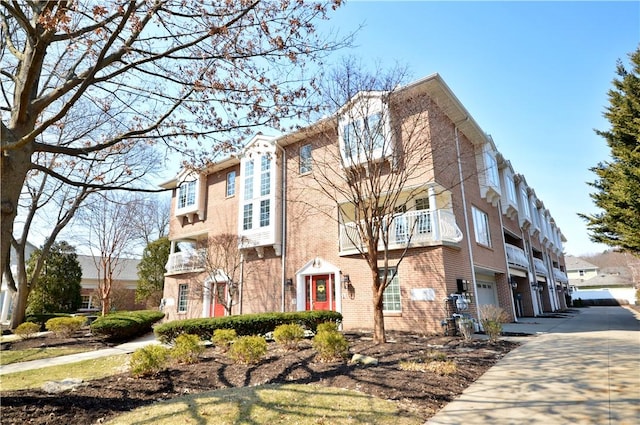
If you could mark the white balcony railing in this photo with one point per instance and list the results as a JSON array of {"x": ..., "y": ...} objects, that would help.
[
  {"x": 418, "y": 228},
  {"x": 516, "y": 257},
  {"x": 540, "y": 267},
  {"x": 560, "y": 276},
  {"x": 185, "y": 262}
]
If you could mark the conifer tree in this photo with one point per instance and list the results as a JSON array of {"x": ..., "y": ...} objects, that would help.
[{"x": 618, "y": 183}]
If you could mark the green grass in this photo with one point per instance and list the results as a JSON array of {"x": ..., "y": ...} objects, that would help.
[
  {"x": 272, "y": 405},
  {"x": 85, "y": 370},
  {"x": 15, "y": 356}
]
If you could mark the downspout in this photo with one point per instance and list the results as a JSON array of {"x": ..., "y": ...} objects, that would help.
[
  {"x": 504, "y": 247},
  {"x": 241, "y": 284},
  {"x": 283, "y": 236},
  {"x": 466, "y": 220}
]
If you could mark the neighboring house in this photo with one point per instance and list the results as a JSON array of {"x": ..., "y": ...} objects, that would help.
[
  {"x": 123, "y": 290},
  {"x": 480, "y": 229},
  {"x": 6, "y": 294},
  {"x": 590, "y": 282}
]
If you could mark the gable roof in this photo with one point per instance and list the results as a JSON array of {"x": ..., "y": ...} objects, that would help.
[
  {"x": 127, "y": 269},
  {"x": 576, "y": 263}
]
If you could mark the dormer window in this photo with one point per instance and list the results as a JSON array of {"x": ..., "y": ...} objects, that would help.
[
  {"x": 364, "y": 130},
  {"x": 190, "y": 196}
]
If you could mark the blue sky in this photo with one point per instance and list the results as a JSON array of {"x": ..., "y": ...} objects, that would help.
[{"x": 534, "y": 75}]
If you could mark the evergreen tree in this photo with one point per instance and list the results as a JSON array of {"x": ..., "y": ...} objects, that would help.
[
  {"x": 151, "y": 270},
  {"x": 58, "y": 289},
  {"x": 618, "y": 183}
]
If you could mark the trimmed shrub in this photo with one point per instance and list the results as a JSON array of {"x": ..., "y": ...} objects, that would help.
[
  {"x": 64, "y": 327},
  {"x": 149, "y": 360},
  {"x": 330, "y": 345},
  {"x": 223, "y": 338},
  {"x": 187, "y": 349},
  {"x": 42, "y": 318},
  {"x": 27, "y": 330},
  {"x": 248, "y": 349},
  {"x": 492, "y": 318},
  {"x": 245, "y": 324},
  {"x": 327, "y": 327},
  {"x": 125, "y": 325},
  {"x": 288, "y": 335}
]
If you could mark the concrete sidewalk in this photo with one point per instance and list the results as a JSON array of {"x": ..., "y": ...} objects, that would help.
[
  {"x": 579, "y": 369},
  {"x": 126, "y": 348}
]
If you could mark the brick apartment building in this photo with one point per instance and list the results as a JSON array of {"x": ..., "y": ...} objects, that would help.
[{"x": 468, "y": 223}]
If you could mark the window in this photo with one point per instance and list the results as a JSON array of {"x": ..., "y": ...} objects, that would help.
[
  {"x": 481, "y": 227},
  {"x": 492, "y": 170},
  {"x": 525, "y": 202},
  {"x": 305, "y": 159},
  {"x": 424, "y": 219},
  {"x": 247, "y": 217},
  {"x": 265, "y": 176},
  {"x": 264, "y": 213},
  {"x": 364, "y": 138},
  {"x": 391, "y": 295},
  {"x": 182, "y": 298},
  {"x": 187, "y": 194},
  {"x": 511, "y": 189},
  {"x": 86, "y": 303},
  {"x": 581, "y": 272},
  {"x": 231, "y": 183},
  {"x": 248, "y": 180}
]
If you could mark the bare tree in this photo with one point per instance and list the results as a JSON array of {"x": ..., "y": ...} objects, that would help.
[
  {"x": 110, "y": 237},
  {"x": 159, "y": 71},
  {"x": 47, "y": 204},
  {"x": 153, "y": 221},
  {"x": 223, "y": 268},
  {"x": 389, "y": 142}
]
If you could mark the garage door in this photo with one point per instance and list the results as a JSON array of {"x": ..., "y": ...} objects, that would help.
[{"x": 486, "y": 292}]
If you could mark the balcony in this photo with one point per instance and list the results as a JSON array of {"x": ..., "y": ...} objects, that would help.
[
  {"x": 416, "y": 228},
  {"x": 540, "y": 268},
  {"x": 186, "y": 262},
  {"x": 516, "y": 257},
  {"x": 560, "y": 276}
]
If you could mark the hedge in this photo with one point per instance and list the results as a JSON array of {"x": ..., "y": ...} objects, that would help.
[
  {"x": 42, "y": 318},
  {"x": 245, "y": 324},
  {"x": 125, "y": 325}
]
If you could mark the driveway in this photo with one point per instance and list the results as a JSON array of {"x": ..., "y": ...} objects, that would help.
[{"x": 579, "y": 369}]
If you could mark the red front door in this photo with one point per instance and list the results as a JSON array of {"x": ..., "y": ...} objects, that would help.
[
  {"x": 219, "y": 299},
  {"x": 320, "y": 293}
]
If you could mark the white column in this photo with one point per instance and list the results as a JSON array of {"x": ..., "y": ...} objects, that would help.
[{"x": 206, "y": 298}]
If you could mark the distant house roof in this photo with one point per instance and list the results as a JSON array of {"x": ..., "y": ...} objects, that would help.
[
  {"x": 607, "y": 277},
  {"x": 127, "y": 269},
  {"x": 576, "y": 263}
]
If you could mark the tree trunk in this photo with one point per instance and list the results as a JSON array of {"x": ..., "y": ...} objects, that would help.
[
  {"x": 19, "y": 305},
  {"x": 379, "y": 336},
  {"x": 14, "y": 165}
]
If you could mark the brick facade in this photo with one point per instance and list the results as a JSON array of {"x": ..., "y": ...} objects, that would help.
[{"x": 453, "y": 173}]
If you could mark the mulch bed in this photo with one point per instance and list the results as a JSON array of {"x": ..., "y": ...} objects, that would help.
[{"x": 423, "y": 393}]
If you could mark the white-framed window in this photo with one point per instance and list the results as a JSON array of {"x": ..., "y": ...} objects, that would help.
[
  {"x": 525, "y": 202},
  {"x": 183, "y": 292},
  {"x": 391, "y": 296},
  {"x": 481, "y": 227},
  {"x": 87, "y": 303},
  {"x": 265, "y": 212},
  {"x": 265, "y": 176},
  {"x": 187, "y": 194},
  {"x": 511, "y": 189},
  {"x": 492, "y": 169},
  {"x": 305, "y": 159},
  {"x": 424, "y": 219},
  {"x": 248, "y": 180},
  {"x": 247, "y": 217},
  {"x": 231, "y": 184},
  {"x": 364, "y": 130}
]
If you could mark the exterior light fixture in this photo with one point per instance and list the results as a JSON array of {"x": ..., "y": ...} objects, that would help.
[
  {"x": 513, "y": 283},
  {"x": 346, "y": 281}
]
